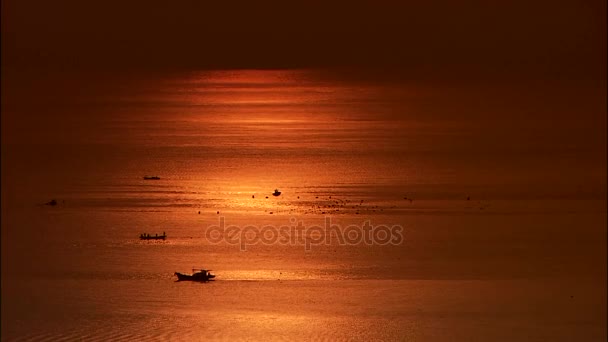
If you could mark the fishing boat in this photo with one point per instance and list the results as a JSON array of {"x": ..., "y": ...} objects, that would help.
[
  {"x": 151, "y": 177},
  {"x": 145, "y": 236},
  {"x": 197, "y": 275},
  {"x": 276, "y": 192}
]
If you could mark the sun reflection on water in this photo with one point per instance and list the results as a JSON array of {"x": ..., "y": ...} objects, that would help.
[{"x": 266, "y": 275}]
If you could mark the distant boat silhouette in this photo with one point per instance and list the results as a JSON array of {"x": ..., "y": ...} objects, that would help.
[
  {"x": 201, "y": 275},
  {"x": 145, "y": 236},
  {"x": 276, "y": 192},
  {"x": 51, "y": 203},
  {"x": 151, "y": 177}
]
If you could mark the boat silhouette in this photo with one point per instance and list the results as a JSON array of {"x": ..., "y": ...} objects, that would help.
[
  {"x": 145, "y": 236},
  {"x": 276, "y": 192},
  {"x": 200, "y": 275}
]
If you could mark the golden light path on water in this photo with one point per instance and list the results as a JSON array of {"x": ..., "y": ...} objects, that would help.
[{"x": 290, "y": 130}]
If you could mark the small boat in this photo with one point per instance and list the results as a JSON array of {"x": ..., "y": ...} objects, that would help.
[
  {"x": 144, "y": 236},
  {"x": 151, "y": 177},
  {"x": 276, "y": 192},
  {"x": 200, "y": 275}
]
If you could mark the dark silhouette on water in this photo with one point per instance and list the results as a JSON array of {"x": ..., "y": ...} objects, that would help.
[
  {"x": 202, "y": 276},
  {"x": 51, "y": 203},
  {"x": 151, "y": 177},
  {"x": 276, "y": 192},
  {"x": 145, "y": 236}
]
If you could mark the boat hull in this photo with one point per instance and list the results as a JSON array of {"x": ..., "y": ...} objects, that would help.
[
  {"x": 200, "y": 277},
  {"x": 162, "y": 237}
]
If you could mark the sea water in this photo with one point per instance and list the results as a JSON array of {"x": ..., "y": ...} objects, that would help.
[{"x": 493, "y": 197}]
